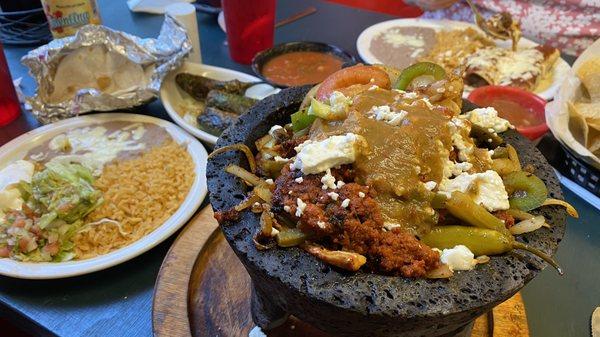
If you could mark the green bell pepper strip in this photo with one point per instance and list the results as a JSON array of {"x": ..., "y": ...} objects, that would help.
[
  {"x": 301, "y": 120},
  {"x": 464, "y": 208},
  {"x": 525, "y": 190},
  {"x": 480, "y": 241},
  {"x": 416, "y": 70}
]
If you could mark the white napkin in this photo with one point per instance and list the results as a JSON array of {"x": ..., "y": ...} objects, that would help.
[{"x": 152, "y": 6}]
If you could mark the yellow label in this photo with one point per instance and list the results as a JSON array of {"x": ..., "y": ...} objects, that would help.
[{"x": 65, "y": 17}]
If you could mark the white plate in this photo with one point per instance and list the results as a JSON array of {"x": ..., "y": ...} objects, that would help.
[
  {"x": 18, "y": 148},
  {"x": 171, "y": 94},
  {"x": 363, "y": 43}
]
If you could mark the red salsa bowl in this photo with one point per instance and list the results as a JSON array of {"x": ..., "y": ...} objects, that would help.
[{"x": 521, "y": 108}]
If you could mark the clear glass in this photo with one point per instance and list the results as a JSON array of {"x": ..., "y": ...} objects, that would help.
[
  {"x": 10, "y": 108},
  {"x": 250, "y": 27}
]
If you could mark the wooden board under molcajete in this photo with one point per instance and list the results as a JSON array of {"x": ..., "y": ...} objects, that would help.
[{"x": 203, "y": 290}]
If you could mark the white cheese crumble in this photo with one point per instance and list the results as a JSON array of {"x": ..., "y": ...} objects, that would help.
[
  {"x": 458, "y": 258},
  {"x": 269, "y": 181},
  {"x": 385, "y": 113},
  {"x": 287, "y": 208},
  {"x": 280, "y": 159},
  {"x": 340, "y": 183},
  {"x": 430, "y": 185},
  {"x": 328, "y": 180},
  {"x": 465, "y": 148},
  {"x": 321, "y": 224},
  {"x": 274, "y": 129},
  {"x": 346, "y": 203},
  {"x": 339, "y": 103},
  {"x": 333, "y": 195},
  {"x": 361, "y": 194},
  {"x": 453, "y": 169},
  {"x": 487, "y": 118},
  {"x": 300, "y": 207},
  {"x": 299, "y": 180},
  {"x": 315, "y": 157},
  {"x": 486, "y": 189}
]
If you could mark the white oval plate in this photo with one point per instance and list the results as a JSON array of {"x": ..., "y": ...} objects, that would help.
[
  {"x": 363, "y": 43},
  {"x": 18, "y": 148},
  {"x": 171, "y": 94}
]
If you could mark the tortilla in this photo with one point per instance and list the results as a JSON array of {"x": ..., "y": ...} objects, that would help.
[{"x": 95, "y": 67}]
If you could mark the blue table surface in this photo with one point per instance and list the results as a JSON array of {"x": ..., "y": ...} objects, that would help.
[{"x": 118, "y": 301}]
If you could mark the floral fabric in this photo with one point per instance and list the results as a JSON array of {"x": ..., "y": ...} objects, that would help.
[{"x": 569, "y": 25}]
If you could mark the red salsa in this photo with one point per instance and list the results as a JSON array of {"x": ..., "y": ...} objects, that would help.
[
  {"x": 517, "y": 114},
  {"x": 300, "y": 68}
]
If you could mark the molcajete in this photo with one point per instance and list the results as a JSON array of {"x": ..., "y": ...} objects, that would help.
[{"x": 290, "y": 281}]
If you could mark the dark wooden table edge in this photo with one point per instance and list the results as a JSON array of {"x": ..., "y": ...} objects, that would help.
[{"x": 23, "y": 322}]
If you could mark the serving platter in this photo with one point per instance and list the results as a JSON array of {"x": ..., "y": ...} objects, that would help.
[
  {"x": 203, "y": 290},
  {"x": 363, "y": 43},
  {"x": 18, "y": 148},
  {"x": 172, "y": 96}
]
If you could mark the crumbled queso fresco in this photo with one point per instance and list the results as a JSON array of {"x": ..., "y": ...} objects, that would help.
[
  {"x": 339, "y": 102},
  {"x": 385, "y": 113},
  {"x": 328, "y": 180},
  {"x": 458, "y": 258},
  {"x": 301, "y": 205},
  {"x": 316, "y": 157},
  {"x": 487, "y": 118},
  {"x": 491, "y": 193}
]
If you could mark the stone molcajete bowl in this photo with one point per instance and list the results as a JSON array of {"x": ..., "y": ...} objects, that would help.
[{"x": 290, "y": 281}]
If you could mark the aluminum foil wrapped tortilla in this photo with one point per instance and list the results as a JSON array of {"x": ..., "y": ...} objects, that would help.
[
  {"x": 100, "y": 69},
  {"x": 574, "y": 115}
]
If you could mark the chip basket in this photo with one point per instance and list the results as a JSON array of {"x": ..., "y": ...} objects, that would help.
[
  {"x": 26, "y": 27},
  {"x": 581, "y": 171}
]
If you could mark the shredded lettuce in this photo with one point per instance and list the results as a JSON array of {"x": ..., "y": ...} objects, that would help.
[{"x": 61, "y": 195}]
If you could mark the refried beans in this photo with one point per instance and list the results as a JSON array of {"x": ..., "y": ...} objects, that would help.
[{"x": 402, "y": 46}]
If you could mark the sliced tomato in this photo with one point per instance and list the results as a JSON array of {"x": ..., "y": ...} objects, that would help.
[
  {"x": 358, "y": 74},
  {"x": 4, "y": 251}
]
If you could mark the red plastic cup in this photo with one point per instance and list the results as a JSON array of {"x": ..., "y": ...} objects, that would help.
[
  {"x": 250, "y": 27},
  {"x": 535, "y": 105},
  {"x": 10, "y": 108}
]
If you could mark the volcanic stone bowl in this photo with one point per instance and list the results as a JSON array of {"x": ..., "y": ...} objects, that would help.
[{"x": 290, "y": 281}]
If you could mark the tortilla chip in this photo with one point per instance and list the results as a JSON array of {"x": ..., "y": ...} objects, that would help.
[
  {"x": 593, "y": 141},
  {"x": 588, "y": 110},
  {"x": 593, "y": 123},
  {"x": 589, "y": 74},
  {"x": 577, "y": 125}
]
